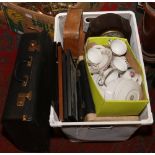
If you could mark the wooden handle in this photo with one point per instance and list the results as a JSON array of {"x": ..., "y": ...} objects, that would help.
[
  {"x": 60, "y": 85},
  {"x": 73, "y": 35}
]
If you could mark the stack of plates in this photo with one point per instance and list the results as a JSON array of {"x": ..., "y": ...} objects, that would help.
[{"x": 123, "y": 89}]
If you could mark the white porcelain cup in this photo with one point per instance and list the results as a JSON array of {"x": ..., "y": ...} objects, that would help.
[
  {"x": 94, "y": 54},
  {"x": 118, "y": 47},
  {"x": 131, "y": 74},
  {"x": 113, "y": 75},
  {"x": 119, "y": 63},
  {"x": 99, "y": 58}
]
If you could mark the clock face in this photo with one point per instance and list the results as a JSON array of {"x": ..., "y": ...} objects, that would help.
[{"x": 113, "y": 34}]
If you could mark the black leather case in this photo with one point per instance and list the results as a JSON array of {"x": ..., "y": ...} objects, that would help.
[{"x": 32, "y": 90}]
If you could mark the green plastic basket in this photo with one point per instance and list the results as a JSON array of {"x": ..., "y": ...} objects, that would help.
[{"x": 115, "y": 107}]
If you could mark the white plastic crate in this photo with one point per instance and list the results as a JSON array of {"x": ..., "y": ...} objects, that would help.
[{"x": 105, "y": 130}]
